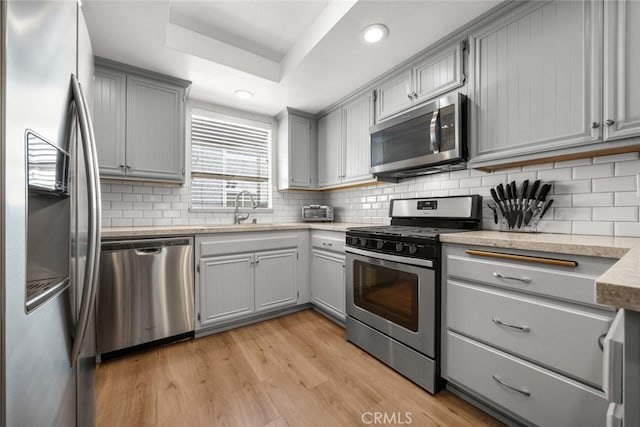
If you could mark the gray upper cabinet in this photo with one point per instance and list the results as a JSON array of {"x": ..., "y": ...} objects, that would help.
[
  {"x": 426, "y": 78},
  {"x": 621, "y": 117},
  {"x": 344, "y": 147},
  {"x": 358, "y": 118},
  {"x": 139, "y": 123},
  {"x": 109, "y": 108},
  {"x": 330, "y": 137},
  {"x": 536, "y": 83},
  {"x": 296, "y": 150}
]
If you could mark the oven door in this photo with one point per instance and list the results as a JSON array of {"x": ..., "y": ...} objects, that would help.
[{"x": 395, "y": 298}]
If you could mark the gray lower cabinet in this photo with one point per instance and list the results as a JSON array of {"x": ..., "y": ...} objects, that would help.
[
  {"x": 243, "y": 275},
  {"x": 524, "y": 337},
  {"x": 139, "y": 123},
  {"x": 328, "y": 273}
]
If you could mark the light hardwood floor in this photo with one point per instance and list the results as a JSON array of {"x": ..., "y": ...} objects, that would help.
[{"x": 295, "y": 370}]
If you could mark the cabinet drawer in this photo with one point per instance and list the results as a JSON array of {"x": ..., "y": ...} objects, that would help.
[
  {"x": 229, "y": 244},
  {"x": 565, "y": 283},
  {"x": 533, "y": 393},
  {"x": 328, "y": 243},
  {"x": 559, "y": 337}
]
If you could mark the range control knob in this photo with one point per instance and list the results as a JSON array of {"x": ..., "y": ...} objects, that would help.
[
  {"x": 353, "y": 241},
  {"x": 379, "y": 244},
  {"x": 399, "y": 247},
  {"x": 413, "y": 249},
  {"x": 363, "y": 242}
]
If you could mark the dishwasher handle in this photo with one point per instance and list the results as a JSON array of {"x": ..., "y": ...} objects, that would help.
[{"x": 149, "y": 251}]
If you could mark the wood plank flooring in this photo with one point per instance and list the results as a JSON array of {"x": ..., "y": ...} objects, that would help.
[{"x": 295, "y": 370}]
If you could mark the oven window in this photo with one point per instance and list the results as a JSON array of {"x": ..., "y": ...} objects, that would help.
[{"x": 389, "y": 293}]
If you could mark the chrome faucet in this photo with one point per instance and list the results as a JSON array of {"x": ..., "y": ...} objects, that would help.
[{"x": 237, "y": 218}]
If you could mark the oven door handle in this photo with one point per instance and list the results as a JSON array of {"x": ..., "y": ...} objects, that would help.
[{"x": 393, "y": 258}]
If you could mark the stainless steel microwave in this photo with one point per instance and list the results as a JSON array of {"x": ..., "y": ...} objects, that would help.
[{"x": 426, "y": 140}]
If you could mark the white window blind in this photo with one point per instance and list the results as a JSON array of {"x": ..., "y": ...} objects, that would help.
[{"x": 226, "y": 158}]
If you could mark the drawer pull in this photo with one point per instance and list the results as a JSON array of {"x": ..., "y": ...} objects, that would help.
[
  {"x": 519, "y": 279},
  {"x": 527, "y": 258},
  {"x": 509, "y": 386},
  {"x": 519, "y": 328},
  {"x": 327, "y": 244}
]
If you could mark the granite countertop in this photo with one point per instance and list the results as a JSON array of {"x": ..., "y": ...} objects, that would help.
[
  {"x": 180, "y": 230},
  {"x": 618, "y": 287}
]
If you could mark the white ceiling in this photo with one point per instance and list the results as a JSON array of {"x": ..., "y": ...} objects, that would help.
[{"x": 304, "y": 54}]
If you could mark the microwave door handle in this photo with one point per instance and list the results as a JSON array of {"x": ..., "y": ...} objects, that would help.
[{"x": 435, "y": 143}]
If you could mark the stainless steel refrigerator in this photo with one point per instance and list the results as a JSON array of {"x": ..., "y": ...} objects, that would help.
[{"x": 50, "y": 216}]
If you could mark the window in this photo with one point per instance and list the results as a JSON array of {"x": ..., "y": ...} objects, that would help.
[{"x": 229, "y": 155}]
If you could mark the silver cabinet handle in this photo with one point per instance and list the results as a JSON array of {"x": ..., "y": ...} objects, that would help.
[
  {"x": 519, "y": 279},
  {"x": 415, "y": 95},
  {"x": 595, "y": 125},
  {"x": 509, "y": 386},
  {"x": 410, "y": 96},
  {"x": 257, "y": 261},
  {"x": 601, "y": 341},
  {"x": 609, "y": 122},
  {"x": 129, "y": 167},
  {"x": 507, "y": 325},
  {"x": 327, "y": 244},
  {"x": 121, "y": 166}
]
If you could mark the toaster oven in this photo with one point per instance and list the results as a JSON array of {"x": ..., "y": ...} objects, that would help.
[{"x": 317, "y": 213}]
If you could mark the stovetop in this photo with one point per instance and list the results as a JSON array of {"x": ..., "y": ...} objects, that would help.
[{"x": 404, "y": 231}]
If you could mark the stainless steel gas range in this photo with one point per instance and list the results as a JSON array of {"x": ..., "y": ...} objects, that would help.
[{"x": 393, "y": 283}]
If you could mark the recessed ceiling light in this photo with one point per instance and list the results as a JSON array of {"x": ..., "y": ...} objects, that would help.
[
  {"x": 374, "y": 33},
  {"x": 243, "y": 94}
]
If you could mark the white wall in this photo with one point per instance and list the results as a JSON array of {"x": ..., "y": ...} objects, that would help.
[{"x": 591, "y": 196}]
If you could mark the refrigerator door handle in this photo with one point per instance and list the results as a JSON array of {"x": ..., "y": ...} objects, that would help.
[{"x": 93, "y": 244}]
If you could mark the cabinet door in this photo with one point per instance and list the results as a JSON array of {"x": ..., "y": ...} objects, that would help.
[
  {"x": 537, "y": 81},
  {"x": 621, "y": 69},
  {"x": 155, "y": 130},
  {"x": 109, "y": 109},
  {"x": 438, "y": 74},
  {"x": 328, "y": 281},
  {"x": 358, "y": 118},
  {"x": 226, "y": 288},
  {"x": 300, "y": 151},
  {"x": 275, "y": 274},
  {"x": 330, "y": 149},
  {"x": 394, "y": 95}
]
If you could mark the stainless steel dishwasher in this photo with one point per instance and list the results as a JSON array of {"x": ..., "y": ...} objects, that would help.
[{"x": 145, "y": 292}]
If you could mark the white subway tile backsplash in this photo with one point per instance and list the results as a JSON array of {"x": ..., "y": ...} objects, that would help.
[
  {"x": 627, "y": 229},
  {"x": 572, "y": 187},
  {"x": 592, "y": 199},
  {"x": 601, "y": 228},
  {"x": 561, "y": 174},
  {"x": 620, "y": 213},
  {"x": 591, "y": 196},
  {"x": 571, "y": 163},
  {"x": 615, "y": 158},
  {"x": 627, "y": 198},
  {"x": 628, "y": 168},
  {"x": 573, "y": 214},
  {"x": 623, "y": 183},
  {"x": 593, "y": 171}
]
